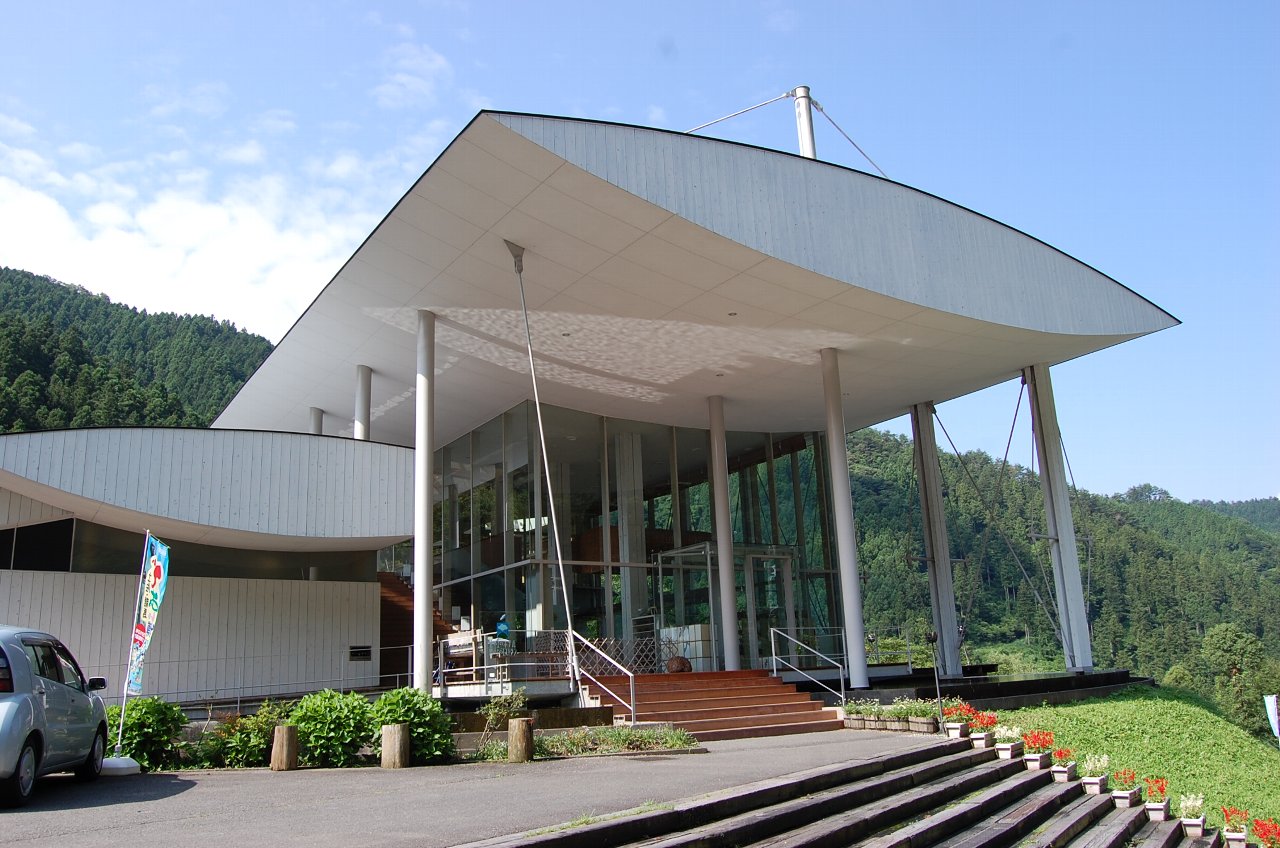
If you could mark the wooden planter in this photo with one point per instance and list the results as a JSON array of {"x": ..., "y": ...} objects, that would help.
[
  {"x": 1126, "y": 797},
  {"x": 1037, "y": 762},
  {"x": 923, "y": 724},
  {"x": 1064, "y": 773},
  {"x": 855, "y": 722},
  {"x": 898, "y": 723},
  {"x": 1193, "y": 828},
  {"x": 1008, "y": 750},
  {"x": 1096, "y": 785},
  {"x": 983, "y": 740}
]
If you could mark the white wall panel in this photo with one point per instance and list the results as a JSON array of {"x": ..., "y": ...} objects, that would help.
[
  {"x": 214, "y": 639},
  {"x": 16, "y": 509},
  {"x": 283, "y": 484}
]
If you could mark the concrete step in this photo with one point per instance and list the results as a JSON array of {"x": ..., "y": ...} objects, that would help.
[
  {"x": 867, "y": 819},
  {"x": 1071, "y": 821},
  {"x": 751, "y": 827},
  {"x": 1017, "y": 820},
  {"x": 943, "y": 824},
  {"x": 1114, "y": 829},
  {"x": 1165, "y": 834}
]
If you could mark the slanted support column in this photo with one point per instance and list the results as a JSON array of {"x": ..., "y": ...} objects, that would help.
[
  {"x": 1072, "y": 613},
  {"x": 364, "y": 389},
  {"x": 317, "y": 421},
  {"x": 724, "y": 534},
  {"x": 842, "y": 507},
  {"x": 937, "y": 546},
  {"x": 424, "y": 446}
]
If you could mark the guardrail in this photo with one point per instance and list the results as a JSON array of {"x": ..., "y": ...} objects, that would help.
[
  {"x": 631, "y": 677},
  {"x": 774, "y": 633}
]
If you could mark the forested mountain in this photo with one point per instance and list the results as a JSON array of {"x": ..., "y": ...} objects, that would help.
[
  {"x": 1260, "y": 512},
  {"x": 112, "y": 351}
]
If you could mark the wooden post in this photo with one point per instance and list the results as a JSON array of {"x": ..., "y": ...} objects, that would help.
[
  {"x": 284, "y": 748},
  {"x": 395, "y": 746},
  {"x": 519, "y": 740}
]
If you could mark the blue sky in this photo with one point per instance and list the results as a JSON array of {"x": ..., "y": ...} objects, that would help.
[{"x": 226, "y": 159}]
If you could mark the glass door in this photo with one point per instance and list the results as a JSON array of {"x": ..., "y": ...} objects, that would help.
[{"x": 770, "y": 604}]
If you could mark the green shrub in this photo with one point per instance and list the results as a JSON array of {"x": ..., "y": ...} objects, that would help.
[
  {"x": 151, "y": 728},
  {"x": 243, "y": 741},
  {"x": 332, "y": 727},
  {"x": 430, "y": 730}
]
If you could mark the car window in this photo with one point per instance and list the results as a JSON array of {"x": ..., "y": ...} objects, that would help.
[
  {"x": 44, "y": 662},
  {"x": 67, "y": 665}
]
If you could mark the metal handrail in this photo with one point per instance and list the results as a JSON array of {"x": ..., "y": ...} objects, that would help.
[
  {"x": 773, "y": 647},
  {"x": 631, "y": 677}
]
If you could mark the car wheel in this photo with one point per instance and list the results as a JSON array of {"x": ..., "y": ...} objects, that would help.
[
  {"x": 92, "y": 765},
  {"x": 16, "y": 788}
]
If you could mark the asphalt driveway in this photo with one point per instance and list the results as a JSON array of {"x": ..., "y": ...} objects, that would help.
[{"x": 439, "y": 806}]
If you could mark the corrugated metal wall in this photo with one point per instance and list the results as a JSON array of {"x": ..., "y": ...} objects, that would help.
[
  {"x": 214, "y": 639},
  {"x": 16, "y": 509},
  {"x": 286, "y": 484}
]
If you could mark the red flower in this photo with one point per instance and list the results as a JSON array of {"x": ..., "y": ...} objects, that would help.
[
  {"x": 982, "y": 722},
  {"x": 1157, "y": 788},
  {"x": 960, "y": 712},
  {"x": 1126, "y": 779},
  {"x": 1267, "y": 832},
  {"x": 1038, "y": 741},
  {"x": 1235, "y": 818},
  {"x": 1062, "y": 756}
]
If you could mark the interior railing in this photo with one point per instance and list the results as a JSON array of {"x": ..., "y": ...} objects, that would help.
[{"x": 774, "y": 633}]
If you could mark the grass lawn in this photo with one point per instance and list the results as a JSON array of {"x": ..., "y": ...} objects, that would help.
[{"x": 1172, "y": 734}]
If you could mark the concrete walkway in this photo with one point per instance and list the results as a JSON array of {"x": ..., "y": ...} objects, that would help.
[{"x": 442, "y": 806}]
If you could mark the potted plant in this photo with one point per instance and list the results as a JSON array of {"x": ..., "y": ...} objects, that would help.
[
  {"x": 1125, "y": 792},
  {"x": 1038, "y": 744},
  {"x": 924, "y": 717},
  {"x": 956, "y": 720},
  {"x": 982, "y": 729},
  {"x": 1095, "y": 773},
  {"x": 1235, "y": 826},
  {"x": 1157, "y": 798},
  {"x": 1064, "y": 767},
  {"x": 1267, "y": 832},
  {"x": 853, "y": 719},
  {"x": 896, "y": 715},
  {"x": 1191, "y": 812},
  {"x": 1008, "y": 741},
  {"x": 873, "y": 714}
]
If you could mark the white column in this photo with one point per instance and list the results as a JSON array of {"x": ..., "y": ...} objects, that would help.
[
  {"x": 942, "y": 593},
  {"x": 804, "y": 122},
  {"x": 317, "y": 421},
  {"x": 842, "y": 512},
  {"x": 424, "y": 446},
  {"x": 364, "y": 389},
  {"x": 724, "y": 534},
  {"x": 1072, "y": 614}
]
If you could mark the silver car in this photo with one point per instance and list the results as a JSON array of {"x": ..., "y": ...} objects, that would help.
[{"x": 51, "y": 718}]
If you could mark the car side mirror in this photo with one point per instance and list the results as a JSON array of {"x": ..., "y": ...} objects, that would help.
[{"x": 96, "y": 683}]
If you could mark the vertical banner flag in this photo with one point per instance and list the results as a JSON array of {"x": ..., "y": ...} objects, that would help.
[
  {"x": 155, "y": 576},
  {"x": 1273, "y": 713}
]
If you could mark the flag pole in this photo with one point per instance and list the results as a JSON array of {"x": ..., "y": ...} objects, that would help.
[{"x": 124, "y": 694}]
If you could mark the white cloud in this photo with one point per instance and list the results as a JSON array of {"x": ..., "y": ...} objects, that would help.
[
  {"x": 249, "y": 153},
  {"x": 80, "y": 151},
  {"x": 475, "y": 100},
  {"x": 656, "y": 116},
  {"x": 15, "y": 128},
  {"x": 206, "y": 100},
  {"x": 414, "y": 72},
  {"x": 275, "y": 122}
]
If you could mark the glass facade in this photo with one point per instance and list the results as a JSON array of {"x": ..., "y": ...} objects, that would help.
[{"x": 635, "y": 528}]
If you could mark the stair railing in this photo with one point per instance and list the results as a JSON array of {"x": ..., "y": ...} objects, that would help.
[
  {"x": 774, "y": 633},
  {"x": 580, "y": 672}
]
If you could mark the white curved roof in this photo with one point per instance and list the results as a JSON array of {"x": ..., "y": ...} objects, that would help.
[
  {"x": 262, "y": 491},
  {"x": 664, "y": 268}
]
